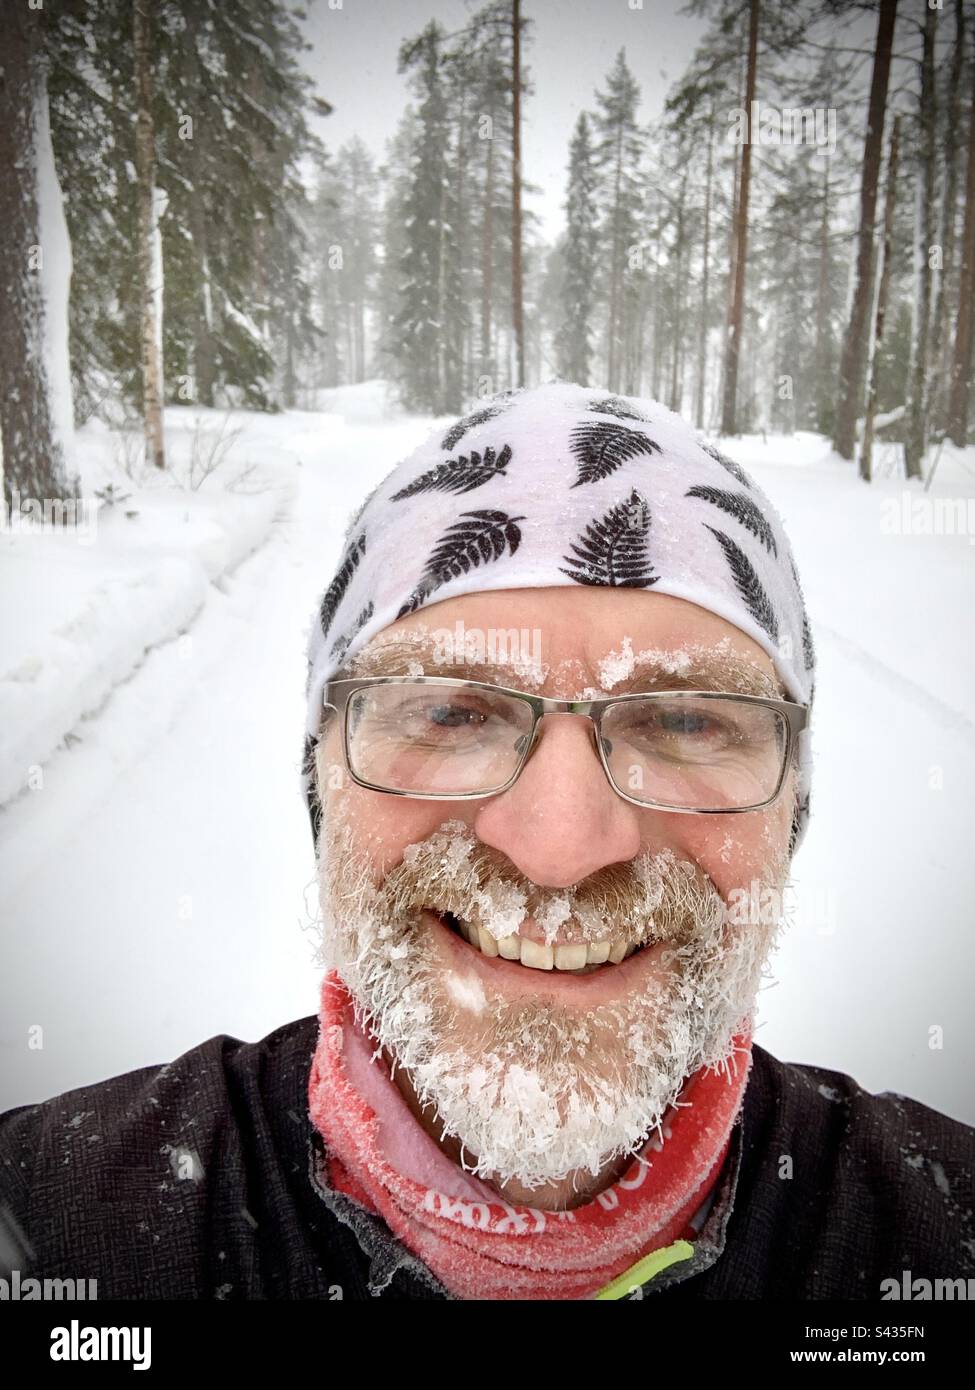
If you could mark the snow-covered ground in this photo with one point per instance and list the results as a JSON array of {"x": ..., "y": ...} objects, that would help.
[{"x": 157, "y": 867}]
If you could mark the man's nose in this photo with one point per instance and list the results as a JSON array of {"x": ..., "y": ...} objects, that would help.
[{"x": 561, "y": 820}]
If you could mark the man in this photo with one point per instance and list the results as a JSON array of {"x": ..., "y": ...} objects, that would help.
[{"x": 557, "y": 762}]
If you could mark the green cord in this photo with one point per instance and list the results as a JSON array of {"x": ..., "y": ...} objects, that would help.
[{"x": 645, "y": 1269}]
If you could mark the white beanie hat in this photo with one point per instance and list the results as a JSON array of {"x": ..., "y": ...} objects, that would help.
[{"x": 559, "y": 485}]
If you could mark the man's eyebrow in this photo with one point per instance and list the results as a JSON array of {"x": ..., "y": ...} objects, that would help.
[
  {"x": 394, "y": 657},
  {"x": 657, "y": 671},
  {"x": 733, "y": 674}
]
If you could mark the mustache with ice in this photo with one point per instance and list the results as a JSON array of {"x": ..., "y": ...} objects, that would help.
[{"x": 654, "y": 897}]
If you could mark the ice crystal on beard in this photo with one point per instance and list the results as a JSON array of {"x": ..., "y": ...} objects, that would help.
[
  {"x": 502, "y": 907},
  {"x": 553, "y": 914}
]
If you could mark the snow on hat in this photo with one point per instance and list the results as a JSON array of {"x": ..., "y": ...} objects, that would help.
[{"x": 560, "y": 485}]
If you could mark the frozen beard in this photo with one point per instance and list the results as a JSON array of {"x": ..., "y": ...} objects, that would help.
[{"x": 533, "y": 1089}]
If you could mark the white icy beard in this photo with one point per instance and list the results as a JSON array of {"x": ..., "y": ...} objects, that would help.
[{"x": 535, "y": 1090}]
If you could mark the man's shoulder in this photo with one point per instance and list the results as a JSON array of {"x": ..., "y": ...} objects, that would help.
[
  {"x": 836, "y": 1101},
  {"x": 855, "y": 1186},
  {"x": 148, "y": 1156}
]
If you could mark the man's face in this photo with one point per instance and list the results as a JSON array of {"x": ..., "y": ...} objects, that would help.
[{"x": 540, "y": 1077}]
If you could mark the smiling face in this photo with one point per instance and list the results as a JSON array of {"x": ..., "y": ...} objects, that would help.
[{"x": 547, "y": 966}]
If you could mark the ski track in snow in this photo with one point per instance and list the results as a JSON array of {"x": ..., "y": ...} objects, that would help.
[{"x": 889, "y": 677}]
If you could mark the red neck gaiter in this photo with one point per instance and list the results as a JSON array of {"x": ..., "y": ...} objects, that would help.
[{"x": 477, "y": 1245}]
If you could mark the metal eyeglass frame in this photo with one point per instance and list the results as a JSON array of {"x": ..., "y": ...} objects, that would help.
[{"x": 336, "y": 695}]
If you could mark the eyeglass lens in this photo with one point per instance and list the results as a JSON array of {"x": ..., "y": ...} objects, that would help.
[{"x": 689, "y": 753}]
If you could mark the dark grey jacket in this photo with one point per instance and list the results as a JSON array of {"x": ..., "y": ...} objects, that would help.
[{"x": 203, "y": 1179}]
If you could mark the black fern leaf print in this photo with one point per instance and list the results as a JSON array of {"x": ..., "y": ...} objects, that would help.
[
  {"x": 336, "y": 590},
  {"x": 342, "y": 643},
  {"x": 478, "y": 417},
  {"x": 737, "y": 473},
  {"x": 808, "y": 649},
  {"x": 482, "y": 537},
  {"x": 749, "y": 585},
  {"x": 743, "y": 509},
  {"x": 311, "y": 791},
  {"x": 462, "y": 474},
  {"x": 600, "y": 448},
  {"x": 613, "y": 550},
  {"x": 612, "y": 405},
  {"x": 308, "y": 755}
]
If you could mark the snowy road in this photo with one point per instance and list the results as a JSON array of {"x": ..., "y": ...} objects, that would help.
[{"x": 159, "y": 889}]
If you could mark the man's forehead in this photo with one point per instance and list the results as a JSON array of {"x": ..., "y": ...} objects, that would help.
[{"x": 508, "y": 659}]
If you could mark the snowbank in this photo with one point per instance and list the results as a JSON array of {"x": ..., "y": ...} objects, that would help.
[{"x": 81, "y": 606}]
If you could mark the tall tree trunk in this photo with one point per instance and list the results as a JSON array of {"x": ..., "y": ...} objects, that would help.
[
  {"x": 615, "y": 276},
  {"x": 676, "y": 381},
  {"x": 487, "y": 259},
  {"x": 204, "y": 351},
  {"x": 916, "y": 436},
  {"x": 853, "y": 362},
  {"x": 517, "y": 305},
  {"x": 822, "y": 305},
  {"x": 961, "y": 363},
  {"x": 733, "y": 345},
  {"x": 890, "y": 201},
  {"x": 459, "y": 378},
  {"x": 33, "y": 421},
  {"x": 145, "y": 164},
  {"x": 940, "y": 339},
  {"x": 732, "y": 233},
  {"x": 702, "y": 337}
]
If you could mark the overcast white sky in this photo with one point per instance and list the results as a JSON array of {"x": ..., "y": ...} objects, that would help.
[{"x": 572, "y": 46}]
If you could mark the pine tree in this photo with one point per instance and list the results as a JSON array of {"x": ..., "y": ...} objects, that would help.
[
  {"x": 431, "y": 308},
  {"x": 346, "y": 225},
  {"x": 619, "y": 150},
  {"x": 395, "y": 178},
  {"x": 228, "y": 110},
  {"x": 573, "y": 343}
]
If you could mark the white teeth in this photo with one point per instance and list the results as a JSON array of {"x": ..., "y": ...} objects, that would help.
[
  {"x": 487, "y": 942},
  {"x": 536, "y": 956},
  {"x": 571, "y": 957}
]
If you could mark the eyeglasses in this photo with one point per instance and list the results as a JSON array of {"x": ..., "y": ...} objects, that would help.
[{"x": 703, "y": 752}]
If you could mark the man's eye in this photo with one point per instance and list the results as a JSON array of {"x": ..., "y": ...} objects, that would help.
[
  {"x": 454, "y": 716},
  {"x": 684, "y": 723}
]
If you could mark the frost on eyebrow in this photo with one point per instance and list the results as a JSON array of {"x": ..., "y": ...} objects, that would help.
[
  {"x": 414, "y": 653},
  {"x": 694, "y": 664}
]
